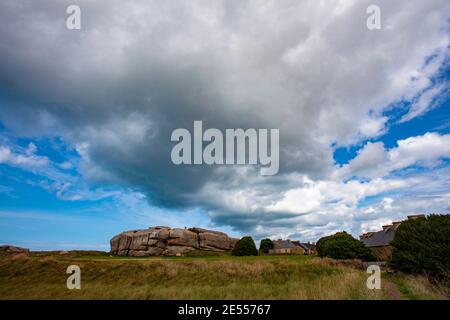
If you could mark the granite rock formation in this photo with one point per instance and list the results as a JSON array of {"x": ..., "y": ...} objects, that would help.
[{"x": 156, "y": 241}]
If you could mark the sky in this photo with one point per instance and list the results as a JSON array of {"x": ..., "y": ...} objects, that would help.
[{"x": 86, "y": 117}]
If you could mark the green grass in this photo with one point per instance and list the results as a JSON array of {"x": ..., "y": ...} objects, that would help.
[
  {"x": 222, "y": 257},
  {"x": 418, "y": 287},
  {"x": 209, "y": 277}
]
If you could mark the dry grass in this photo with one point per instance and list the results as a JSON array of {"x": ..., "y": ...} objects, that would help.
[
  {"x": 44, "y": 277},
  {"x": 419, "y": 287}
]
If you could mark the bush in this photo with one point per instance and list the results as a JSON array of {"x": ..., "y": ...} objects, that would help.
[
  {"x": 422, "y": 245},
  {"x": 320, "y": 246},
  {"x": 343, "y": 246},
  {"x": 265, "y": 245},
  {"x": 245, "y": 247}
]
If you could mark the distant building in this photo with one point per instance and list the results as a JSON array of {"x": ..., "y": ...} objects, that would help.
[
  {"x": 308, "y": 247},
  {"x": 379, "y": 242},
  {"x": 286, "y": 247}
]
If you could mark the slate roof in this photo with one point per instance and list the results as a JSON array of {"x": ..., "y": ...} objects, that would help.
[
  {"x": 384, "y": 237},
  {"x": 381, "y": 238},
  {"x": 309, "y": 246},
  {"x": 305, "y": 246},
  {"x": 283, "y": 244}
]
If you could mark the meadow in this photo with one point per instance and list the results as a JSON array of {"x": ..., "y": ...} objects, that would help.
[{"x": 43, "y": 276}]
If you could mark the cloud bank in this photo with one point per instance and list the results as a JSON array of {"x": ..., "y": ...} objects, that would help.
[{"x": 116, "y": 89}]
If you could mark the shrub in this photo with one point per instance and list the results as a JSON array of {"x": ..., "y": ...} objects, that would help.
[
  {"x": 245, "y": 247},
  {"x": 343, "y": 246},
  {"x": 422, "y": 245},
  {"x": 320, "y": 246},
  {"x": 265, "y": 245}
]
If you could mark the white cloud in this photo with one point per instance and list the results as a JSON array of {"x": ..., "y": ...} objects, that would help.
[
  {"x": 373, "y": 127},
  {"x": 26, "y": 159},
  {"x": 424, "y": 103},
  {"x": 373, "y": 160},
  {"x": 369, "y": 162},
  {"x": 309, "y": 208},
  {"x": 426, "y": 150}
]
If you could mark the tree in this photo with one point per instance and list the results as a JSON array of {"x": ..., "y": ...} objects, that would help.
[
  {"x": 422, "y": 245},
  {"x": 343, "y": 246},
  {"x": 320, "y": 246},
  {"x": 245, "y": 247},
  {"x": 266, "y": 245}
]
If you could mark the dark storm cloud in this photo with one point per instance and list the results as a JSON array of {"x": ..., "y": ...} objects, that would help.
[{"x": 94, "y": 79}]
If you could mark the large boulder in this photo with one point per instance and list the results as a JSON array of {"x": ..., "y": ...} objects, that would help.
[
  {"x": 139, "y": 240},
  {"x": 183, "y": 237},
  {"x": 161, "y": 240},
  {"x": 178, "y": 250},
  {"x": 214, "y": 241}
]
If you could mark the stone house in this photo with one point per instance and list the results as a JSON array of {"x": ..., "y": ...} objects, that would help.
[
  {"x": 308, "y": 247},
  {"x": 379, "y": 242},
  {"x": 286, "y": 247}
]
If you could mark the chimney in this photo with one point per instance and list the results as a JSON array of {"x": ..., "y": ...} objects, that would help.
[
  {"x": 395, "y": 224},
  {"x": 366, "y": 235}
]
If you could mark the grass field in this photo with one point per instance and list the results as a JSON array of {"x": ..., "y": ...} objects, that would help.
[{"x": 43, "y": 276}]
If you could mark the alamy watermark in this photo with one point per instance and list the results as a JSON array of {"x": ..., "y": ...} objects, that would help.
[
  {"x": 373, "y": 21},
  {"x": 251, "y": 146},
  {"x": 374, "y": 280},
  {"x": 73, "y": 21},
  {"x": 74, "y": 280}
]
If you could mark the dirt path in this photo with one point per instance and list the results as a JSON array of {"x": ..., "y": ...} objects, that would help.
[{"x": 392, "y": 291}]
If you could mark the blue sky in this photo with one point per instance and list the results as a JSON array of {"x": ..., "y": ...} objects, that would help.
[
  {"x": 35, "y": 215},
  {"x": 435, "y": 120},
  {"x": 85, "y": 120}
]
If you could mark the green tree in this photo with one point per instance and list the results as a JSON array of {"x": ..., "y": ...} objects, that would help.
[
  {"x": 266, "y": 245},
  {"x": 320, "y": 246},
  {"x": 422, "y": 245},
  {"x": 343, "y": 246},
  {"x": 245, "y": 247}
]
